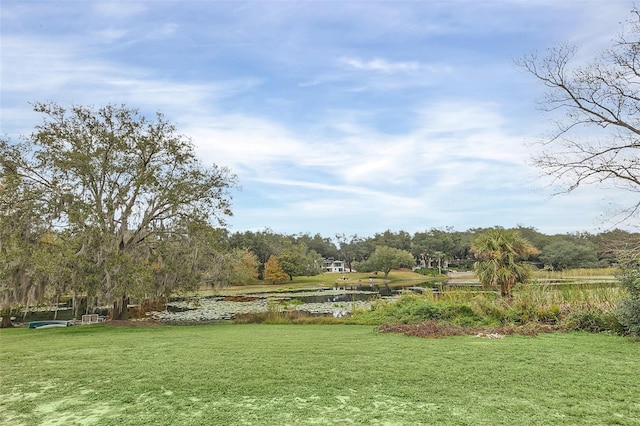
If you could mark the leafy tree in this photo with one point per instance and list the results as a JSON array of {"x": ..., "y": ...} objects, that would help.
[
  {"x": 499, "y": 253},
  {"x": 323, "y": 246},
  {"x": 273, "y": 272},
  {"x": 536, "y": 238},
  {"x": 234, "y": 267},
  {"x": 23, "y": 228},
  {"x": 596, "y": 140},
  {"x": 400, "y": 240},
  {"x": 435, "y": 245},
  {"x": 222, "y": 267},
  {"x": 298, "y": 260},
  {"x": 53, "y": 263},
  {"x": 354, "y": 249},
  {"x": 262, "y": 243},
  {"x": 387, "y": 258},
  {"x": 182, "y": 259},
  {"x": 441, "y": 259},
  {"x": 121, "y": 183},
  {"x": 245, "y": 267},
  {"x": 565, "y": 254}
]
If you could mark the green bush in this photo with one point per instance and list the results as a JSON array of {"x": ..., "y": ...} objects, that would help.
[
  {"x": 628, "y": 312},
  {"x": 462, "y": 315},
  {"x": 491, "y": 310},
  {"x": 549, "y": 314},
  {"x": 594, "y": 321},
  {"x": 425, "y": 310},
  {"x": 527, "y": 311},
  {"x": 429, "y": 272},
  {"x": 409, "y": 308},
  {"x": 412, "y": 308}
]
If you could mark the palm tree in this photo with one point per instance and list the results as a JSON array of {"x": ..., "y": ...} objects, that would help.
[{"x": 498, "y": 252}]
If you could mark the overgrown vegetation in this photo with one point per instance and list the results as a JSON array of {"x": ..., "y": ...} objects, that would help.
[
  {"x": 528, "y": 311},
  {"x": 629, "y": 307},
  {"x": 552, "y": 297},
  {"x": 585, "y": 300}
]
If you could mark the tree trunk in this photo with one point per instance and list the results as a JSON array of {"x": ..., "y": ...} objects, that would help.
[
  {"x": 505, "y": 290},
  {"x": 55, "y": 313},
  {"x": 6, "y": 321},
  {"x": 119, "y": 312}
]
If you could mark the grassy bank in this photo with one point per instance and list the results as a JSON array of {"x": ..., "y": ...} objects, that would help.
[{"x": 287, "y": 374}]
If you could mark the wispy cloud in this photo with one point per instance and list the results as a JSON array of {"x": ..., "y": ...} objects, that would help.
[
  {"x": 381, "y": 65},
  {"x": 354, "y": 118}
]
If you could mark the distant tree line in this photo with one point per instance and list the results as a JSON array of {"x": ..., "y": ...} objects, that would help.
[{"x": 431, "y": 249}]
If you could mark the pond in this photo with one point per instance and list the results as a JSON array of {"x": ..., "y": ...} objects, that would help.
[
  {"x": 319, "y": 301},
  {"x": 336, "y": 302},
  {"x": 316, "y": 301}
]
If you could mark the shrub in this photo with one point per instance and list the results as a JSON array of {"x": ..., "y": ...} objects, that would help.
[
  {"x": 594, "y": 321},
  {"x": 549, "y": 314},
  {"x": 461, "y": 315},
  {"x": 628, "y": 312},
  {"x": 429, "y": 272},
  {"x": 409, "y": 308},
  {"x": 493, "y": 311}
]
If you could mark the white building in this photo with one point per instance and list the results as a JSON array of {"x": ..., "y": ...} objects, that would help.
[{"x": 331, "y": 265}]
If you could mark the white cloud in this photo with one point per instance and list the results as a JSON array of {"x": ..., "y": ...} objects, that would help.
[
  {"x": 381, "y": 65},
  {"x": 359, "y": 143}
]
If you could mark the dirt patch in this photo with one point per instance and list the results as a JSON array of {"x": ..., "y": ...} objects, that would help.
[{"x": 435, "y": 329}]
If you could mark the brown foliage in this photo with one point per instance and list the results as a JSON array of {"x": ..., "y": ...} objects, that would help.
[{"x": 436, "y": 329}]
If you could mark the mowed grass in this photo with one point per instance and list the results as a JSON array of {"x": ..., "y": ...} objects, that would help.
[{"x": 312, "y": 374}]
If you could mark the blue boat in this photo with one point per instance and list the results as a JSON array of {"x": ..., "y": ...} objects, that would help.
[{"x": 50, "y": 324}]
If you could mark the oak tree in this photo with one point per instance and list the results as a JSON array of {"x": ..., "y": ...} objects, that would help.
[
  {"x": 386, "y": 258},
  {"x": 122, "y": 185}
]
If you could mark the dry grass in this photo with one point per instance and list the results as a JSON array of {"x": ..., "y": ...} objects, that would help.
[{"x": 434, "y": 329}]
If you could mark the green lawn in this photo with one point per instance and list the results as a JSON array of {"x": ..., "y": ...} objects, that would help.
[{"x": 326, "y": 375}]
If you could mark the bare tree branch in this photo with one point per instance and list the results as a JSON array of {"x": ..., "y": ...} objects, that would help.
[{"x": 597, "y": 113}]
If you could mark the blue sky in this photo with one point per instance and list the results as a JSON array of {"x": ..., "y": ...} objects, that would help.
[{"x": 337, "y": 116}]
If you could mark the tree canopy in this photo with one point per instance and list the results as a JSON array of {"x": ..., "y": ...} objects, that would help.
[
  {"x": 565, "y": 254},
  {"x": 298, "y": 260},
  {"x": 123, "y": 188},
  {"x": 386, "y": 258},
  {"x": 273, "y": 272}
]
